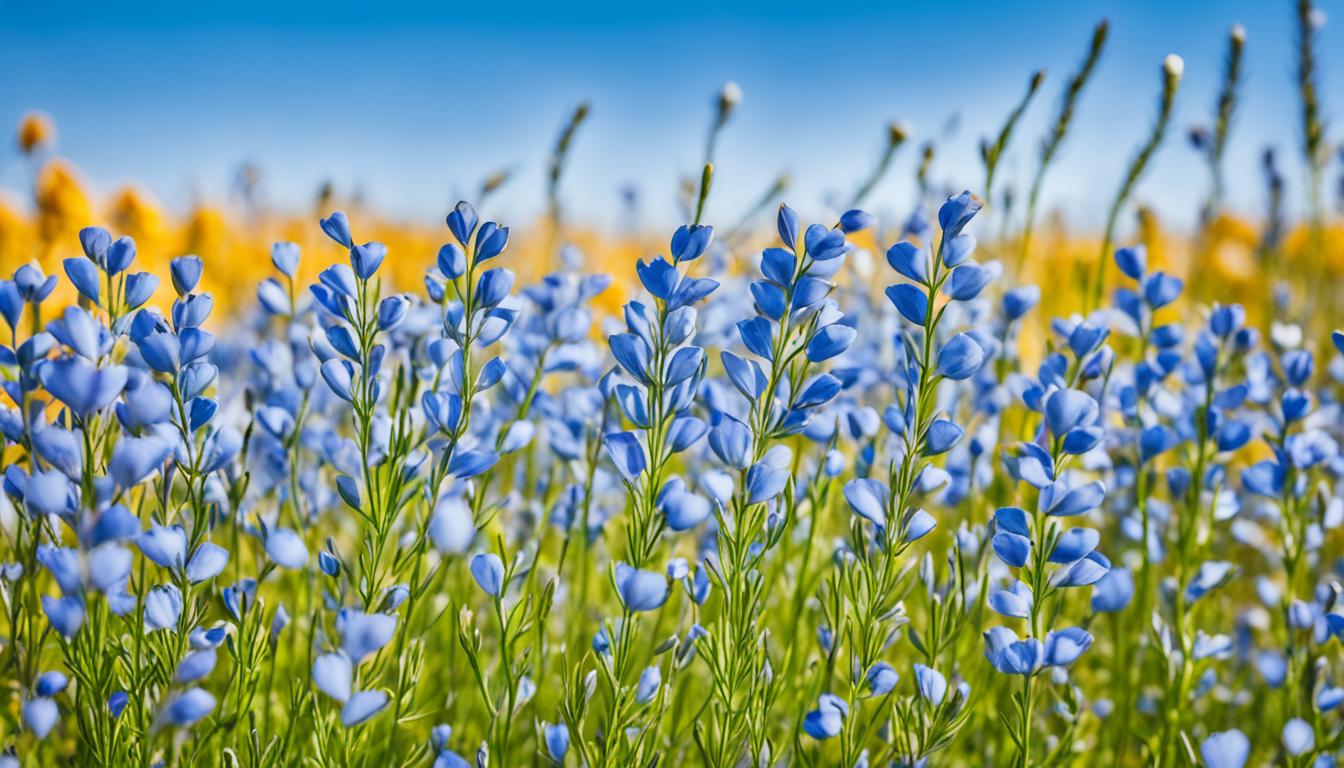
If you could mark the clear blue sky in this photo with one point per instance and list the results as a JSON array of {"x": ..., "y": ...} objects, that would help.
[{"x": 414, "y": 103}]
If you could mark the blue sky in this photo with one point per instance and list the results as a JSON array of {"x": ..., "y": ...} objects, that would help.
[{"x": 412, "y": 104}]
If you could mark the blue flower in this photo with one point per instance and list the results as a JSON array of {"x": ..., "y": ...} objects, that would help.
[
  {"x": 855, "y": 220},
  {"x": 109, "y": 568},
  {"x": 910, "y": 301},
  {"x": 659, "y": 277},
  {"x": 627, "y": 454},
  {"x": 452, "y": 527},
  {"x": 187, "y": 708},
  {"x": 337, "y": 228},
  {"x": 968, "y": 280},
  {"x": 51, "y": 683},
  {"x": 81, "y": 387},
  {"x": 333, "y": 674},
  {"x": 41, "y": 716},
  {"x": 95, "y": 241},
  {"x": 829, "y": 342},
  {"x": 1011, "y": 656},
  {"x": 186, "y": 273},
  {"x": 1133, "y": 262},
  {"x": 1064, "y": 646},
  {"x": 1297, "y": 366},
  {"x": 145, "y": 403},
  {"x": 931, "y": 684},
  {"x": 1014, "y": 602},
  {"x": 120, "y": 255},
  {"x": 11, "y": 301},
  {"x": 465, "y": 464},
  {"x": 364, "y": 633},
  {"x": 956, "y": 213},
  {"x": 1070, "y": 409},
  {"x": 1019, "y": 301},
  {"x": 285, "y": 258},
  {"x": 746, "y": 375},
  {"x": 493, "y": 286},
  {"x": 868, "y": 499},
  {"x": 1299, "y": 737},
  {"x": 136, "y": 458},
  {"x": 63, "y": 563},
  {"x": 166, "y": 546},
  {"x": 491, "y": 240},
  {"x": 819, "y": 391},
  {"x": 765, "y": 482},
  {"x": 690, "y": 242},
  {"x": 84, "y": 275},
  {"x": 822, "y": 244},
  {"x": 1161, "y": 289},
  {"x": 633, "y": 354},
  {"x": 640, "y": 590},
  {"x": 362, "y": 706},
  {"x": 48, "y": 493},
  {"x": 139, "y": 288},
  {"x": 957, "y": 250},
  {"x": 462, "y": 222},
  {"x": 779, "y": 265},
  {"x": 1074, "y": 544},
  {"x": 1225, "y": 749},
  {"x": 1058, "y": 499},
  {"x": 488, "y": 571},
  {"x": 828, "y": 719},
  {"x": 1012, "y": 536},
  {"x": 556, "y": 737},
  {"x": 809, "y": 292},
  {"x": 286, "y": 549},
  {"x": 392, "y": 311},
  {"x": 163, "y": 607},
  {"x": 941, "y": 436},
  {"x": 239, "y": 597},
  {"x": 206, "y": 563},
  {"x": 1226, "y": 319},
  {"x": 116, "y": 703},
  {"x": 650, "y": 680},
  {"x": 960, "y": 357},
  {"x": 1082, "y": 573},
  {"x": 452, "y": 261},
  {"x": 1208, "y": 577},
  {"x": 1265, "y": 478},
  {"x": 161, "y": 351},
  {"x": 731, "y": 441},
  {"x": 1156, "y": 440},
  {"x": 756, "y": 336},
  {"x": 787, "y": 222},
  {"x": 681, "y": 509},
  {"x": 881, "y": 679},
  {"x": 66, "y": 614},
  {"x": 196, "y": 666}
]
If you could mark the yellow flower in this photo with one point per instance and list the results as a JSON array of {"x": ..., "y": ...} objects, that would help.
[
  {"x": 36, "y": 130},
  {"x": 62, "y": 206}
]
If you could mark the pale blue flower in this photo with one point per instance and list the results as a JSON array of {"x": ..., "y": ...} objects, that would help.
[
  {"x": 187, "y": 708},
  {"x": 1225, "y": 749},
  {"x": 640, "y": 590}
]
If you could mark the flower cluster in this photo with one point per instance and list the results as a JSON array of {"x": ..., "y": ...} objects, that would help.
[{"x": 790, "y": 505}]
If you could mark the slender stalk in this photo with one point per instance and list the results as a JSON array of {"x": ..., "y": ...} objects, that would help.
[
  {"x": 992, "y": 153},
  {"x": 1073, "y": 91},
  {"x": 1172, "y": 69},
  {"x": 896, "y": 136}
]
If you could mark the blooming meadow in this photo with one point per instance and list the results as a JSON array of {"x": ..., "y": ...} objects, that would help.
[{"x": 846, "y": 492}]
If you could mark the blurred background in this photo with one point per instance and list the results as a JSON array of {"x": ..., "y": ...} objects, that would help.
[
  {"x": 217, "y": 128},
  {"x": 409, "y": 106}
]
